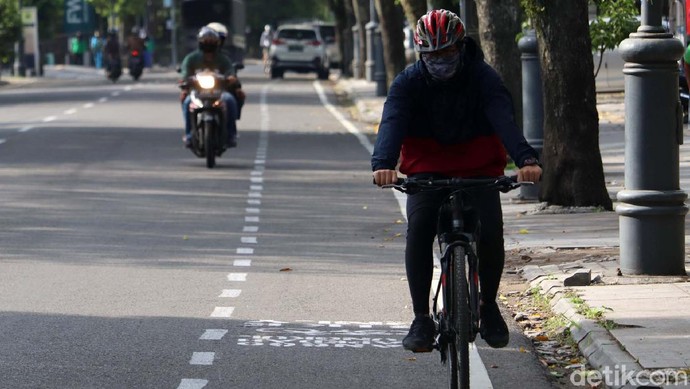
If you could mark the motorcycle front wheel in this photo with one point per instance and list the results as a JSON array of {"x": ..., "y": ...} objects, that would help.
[{"x": 210, "y": 145}]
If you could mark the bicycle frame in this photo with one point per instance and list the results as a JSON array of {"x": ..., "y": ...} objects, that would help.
[{"x": 458, "y": 233}]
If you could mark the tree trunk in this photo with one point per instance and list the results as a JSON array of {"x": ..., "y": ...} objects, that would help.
[
  {"x": 343, "y": 34},
  {"x": 414, "y": 9},
  {"x": 392, "y": 36},
  {"x": 361, "y": 10},
  {"x": 499, "y": 24},
  {"x": 450, "y": 5},
  {"x": 573, "y": 171}
]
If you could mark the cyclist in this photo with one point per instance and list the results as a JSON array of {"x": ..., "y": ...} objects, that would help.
[
  {"x": 449, "y": 115},
  {"x": 209, "y": 57}
]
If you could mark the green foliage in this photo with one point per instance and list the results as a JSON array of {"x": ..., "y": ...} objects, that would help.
[
  {"x": 615, "y": 20},
  {"x": 10, "y": 23},
  {"x": 120, "y": 7}
]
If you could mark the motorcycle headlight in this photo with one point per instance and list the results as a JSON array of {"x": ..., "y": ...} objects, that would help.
[{"x": 206, "y": 81}]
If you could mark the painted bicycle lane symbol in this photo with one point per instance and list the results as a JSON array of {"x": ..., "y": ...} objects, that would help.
[{"x": 353, "y": 335}]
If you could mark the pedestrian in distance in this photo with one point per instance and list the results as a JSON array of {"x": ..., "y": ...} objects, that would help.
[
  {"x": 265, "y": 41},
  {"x": 96, "y": 47},
  {"x": 449, "y": 115},
  {"x": 77, "y": 48}
]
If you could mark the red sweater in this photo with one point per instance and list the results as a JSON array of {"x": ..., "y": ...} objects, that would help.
[{"x": 481, "y": 156}]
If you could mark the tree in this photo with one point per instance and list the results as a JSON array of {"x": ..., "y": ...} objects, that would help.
[
  {"x": 500, "y": 21},
  {"x": 450, "y": 5},
  {"x": 573, "y": 172},
  {"x": 414, "y": 9},
  {"x": 392, "y": 36},
  {"x": 615, "y": 21},
  {"x": 361, "y": 9},
  {"x": 10, "y": 23},
  {"x": 343, "y": 37}
]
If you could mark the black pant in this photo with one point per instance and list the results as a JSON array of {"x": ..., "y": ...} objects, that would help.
[{"x": 422, "y": 214}]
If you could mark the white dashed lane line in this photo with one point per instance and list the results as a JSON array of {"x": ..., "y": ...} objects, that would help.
[{"x": 206, "y": 358}]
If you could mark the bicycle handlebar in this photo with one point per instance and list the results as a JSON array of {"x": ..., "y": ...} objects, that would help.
[{"x": 413, "y": 185}]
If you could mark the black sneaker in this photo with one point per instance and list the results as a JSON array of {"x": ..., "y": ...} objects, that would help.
[
  {"x": 493, "y": 328},
  {"x": 420, "y": 339}
]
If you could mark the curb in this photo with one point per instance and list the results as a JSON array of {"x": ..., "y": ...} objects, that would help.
[{"x": 596, "y": 344}]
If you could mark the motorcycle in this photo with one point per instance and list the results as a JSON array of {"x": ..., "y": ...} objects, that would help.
[
  {"x": 113, "y": 70},
  {"x": 207, "y": 112},
  {"x": 135, "y": 64}
]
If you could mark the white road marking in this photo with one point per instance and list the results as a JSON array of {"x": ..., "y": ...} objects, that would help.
[
  {"x": 102, "y": 99},
  {"x": 189, "y": 383},
  {"x": 250, "y": 229},
  {"x": 251, "y": 219},
  {"x": 115, "y": 94},
  {"x": 256, "y": 187},
  {"x": 253, "y": 202},
  {"x": 257, "y": 173},
  {"x": 255, "y": 194},
  {"x": 252, "y": 210},
  {"x": 242, "y": 262},
  {"x": 237, "y": 277},
  {"x": 259, "y": 161},
  {"x": 213, "y": 334},
  {"x": 70, "y": 111},
  {"x": 256, "y": 180},
  {"x": 245, "y": 250},
  {"x": 346, "y": 123},
  {"x": 49, "y": 119},
  {"x": 128, "y": 88},
  {"x": 2, "y": 141},
  {"x": 88, "y": 105},
  {"x": 230, "y": 293},
  {"x": 223, "y": 312},
  {"x": 26, "y": 128},
  {"x": 202, "y": 358},
  {"x": 248, "y": 239}
]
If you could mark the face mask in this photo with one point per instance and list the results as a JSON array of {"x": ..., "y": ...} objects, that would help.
[{"x": 441, "y": 68}]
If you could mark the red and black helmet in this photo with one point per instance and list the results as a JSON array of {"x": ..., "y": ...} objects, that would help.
[{"x": 437, "y": 30}]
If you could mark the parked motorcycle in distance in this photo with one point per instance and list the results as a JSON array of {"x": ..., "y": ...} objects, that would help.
[
  {"x": 135, "y": 64},
  {"x": 207, "y": 114},
  {"x": 114, "y": 71}
]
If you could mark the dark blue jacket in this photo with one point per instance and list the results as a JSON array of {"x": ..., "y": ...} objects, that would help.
[{"x": 473, "y": 104}]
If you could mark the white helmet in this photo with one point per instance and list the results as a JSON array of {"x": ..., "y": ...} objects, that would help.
[
  {"x": 219, "y": 29},
  {"x": 267, "y": 28}
]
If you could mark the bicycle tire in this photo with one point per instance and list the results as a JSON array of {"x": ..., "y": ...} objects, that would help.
[{"x": 459, "y": 351}]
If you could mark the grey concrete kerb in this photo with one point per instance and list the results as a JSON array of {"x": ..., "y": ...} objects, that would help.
[{"x": 595, "y": 343}]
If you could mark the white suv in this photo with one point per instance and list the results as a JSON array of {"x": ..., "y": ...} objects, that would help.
[{"x": 299, "y": 48}]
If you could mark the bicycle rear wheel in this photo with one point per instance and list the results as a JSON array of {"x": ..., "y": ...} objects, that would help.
[{"x": 459, "y": 315}]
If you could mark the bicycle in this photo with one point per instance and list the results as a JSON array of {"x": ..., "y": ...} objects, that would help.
[{"x": 457, "y": 322}]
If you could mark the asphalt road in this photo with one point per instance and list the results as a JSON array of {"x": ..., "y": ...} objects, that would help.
[{"x": 126, "y": 263}]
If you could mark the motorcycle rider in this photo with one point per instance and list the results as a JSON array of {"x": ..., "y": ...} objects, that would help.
[
  {"x": 449, "y": 115},
  {"x": 111, "y": 50},
  {"x": 208, "y": 56}
]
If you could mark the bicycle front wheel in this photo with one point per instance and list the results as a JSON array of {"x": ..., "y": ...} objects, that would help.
[{"x": 459, "y": 315}]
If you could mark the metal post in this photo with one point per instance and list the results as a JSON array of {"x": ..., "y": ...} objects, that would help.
[
  {"x": 532, "y": 103},
  {"x": 356, "y": 68},
  {"x": 370, "y": 62},
  {"x": 379, "y": 65},
  {"x": 173, "y": 34},
  {"x": 652, "y": 207}
]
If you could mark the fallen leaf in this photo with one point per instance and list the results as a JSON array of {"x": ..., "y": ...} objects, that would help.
[
  {"x": 523, "y": 350},
  {"x": 365, "y": 207},
  {"x": 185, "y": 237},
  {"x": 399, "y": 221},
  {"x": 523, "y": 231},
  {"x": 541, "y": 338},
  {"x": 502, "y": 297},
  {"x": 286, "y": 269},
  {"x": 398, "y": 235}
]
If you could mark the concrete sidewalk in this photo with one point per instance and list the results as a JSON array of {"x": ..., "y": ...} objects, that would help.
[{"x": 627, "y": 327}]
